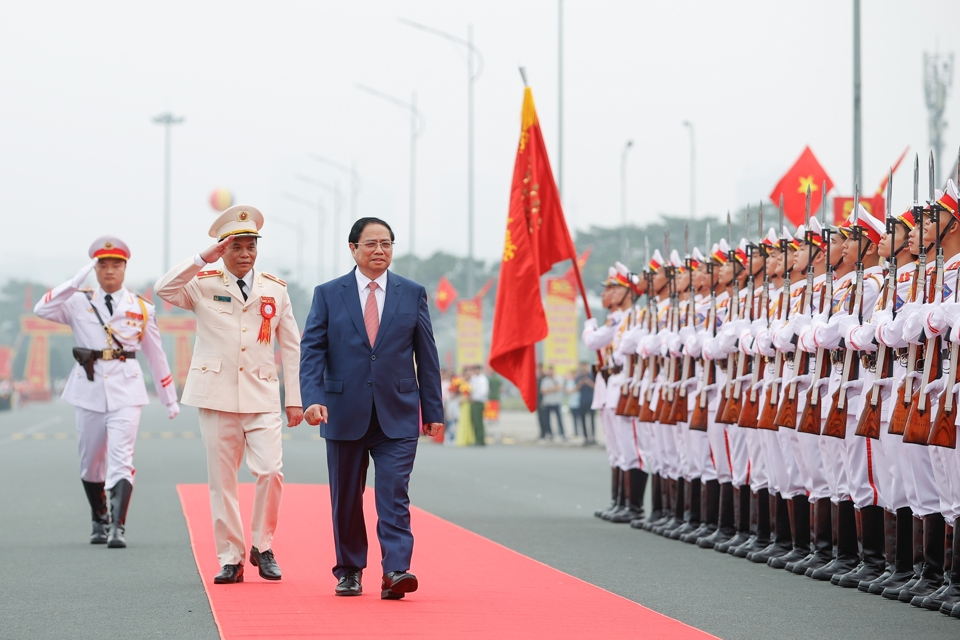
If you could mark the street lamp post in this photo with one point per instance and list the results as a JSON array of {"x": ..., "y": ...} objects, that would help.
[
  {"x": 473, "y": 54},
  {"x": 693, "y": 170},
  {"x": 417, "y": 125},
  {"x": 167, "y": 120},
  {"x": 623, "y": 199},
  {"x": 334, "y": 190},
  {"x": 355, "y": 182},
  {"x": 316, "y": 207}
]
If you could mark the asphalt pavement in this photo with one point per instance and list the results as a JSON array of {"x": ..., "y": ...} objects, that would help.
[{"x": 535, "y": 498}]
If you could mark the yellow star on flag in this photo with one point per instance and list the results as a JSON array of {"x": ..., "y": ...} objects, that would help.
[{"x": 806, "y": 183}]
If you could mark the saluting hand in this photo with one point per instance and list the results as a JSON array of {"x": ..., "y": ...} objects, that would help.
[
  {"x": 315, "y": 414},
  {"x": 214, "y": 253}
]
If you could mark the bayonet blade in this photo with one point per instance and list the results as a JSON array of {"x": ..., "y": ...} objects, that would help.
[
  {"x": 856, "y": 203},
  {"x": 729, "y": 228},
  {"x": 686, "y": 239},
  {"x": 931, "y": 183},
  {"x": 889, "y": 194},
  {"x": 780, "y": 230},
  {"x": 823, "y": 203},
  {"x": 916, "y": 179},
  {"x": 760, "y": 223},
  {"x": 706, "y": 250},
  {"x": 806, "y": 213}
]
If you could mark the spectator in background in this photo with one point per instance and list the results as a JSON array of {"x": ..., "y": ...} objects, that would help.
[
  {"x": 492, "y": 412},
  {"x": 451, "y": 404},
  {"x": 585, "y": 384},
  {"x": 552, "y": 389},
  {"x": 573, "y": 400},
  {"x": 479, "y": 393},
  {"x": 542, "y": 418}
]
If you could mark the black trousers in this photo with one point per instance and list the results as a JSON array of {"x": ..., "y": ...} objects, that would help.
[{"x": 347, "y": 462}]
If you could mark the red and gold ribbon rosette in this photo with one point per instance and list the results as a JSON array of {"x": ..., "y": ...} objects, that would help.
[{"x": 268, "y": 309}]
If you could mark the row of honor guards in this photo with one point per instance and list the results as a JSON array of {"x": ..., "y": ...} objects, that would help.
[{"x": 792, "y": 401}]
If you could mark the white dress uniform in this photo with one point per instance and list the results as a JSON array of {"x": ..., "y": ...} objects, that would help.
[
  {"x": 108, "y": 407},
  {"x": 233, "y": 380}
]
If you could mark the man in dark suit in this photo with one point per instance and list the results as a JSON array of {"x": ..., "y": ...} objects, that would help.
[{"x": 368, "y": 369}]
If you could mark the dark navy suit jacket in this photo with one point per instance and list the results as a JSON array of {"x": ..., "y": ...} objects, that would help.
[{"x": 342, "y": 371}]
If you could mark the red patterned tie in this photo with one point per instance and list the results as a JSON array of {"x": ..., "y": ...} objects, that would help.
[{"x": 371, "y": 317}]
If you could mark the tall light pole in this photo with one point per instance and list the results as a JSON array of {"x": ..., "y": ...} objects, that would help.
[
  {"x": 334, "y": 190},
  {"x": 693, "y": 170},
  {"x": 623, "y": 199},
  {"x": 473, "y": 54},
  {"x": 417, "y": 124},
  {"x": 167, "y": 120},
  {"x": 856, "y": 92},
  {"x": 316, "y": 207},
  {"x": 355, "y": 182},
  {"x": 560, "y": 98}
]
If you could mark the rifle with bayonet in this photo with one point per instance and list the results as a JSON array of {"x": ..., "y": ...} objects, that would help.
[
  {"x": 698, "y": 421},
  {"x": 905, "y": 395},
  {"x": 768, "y": 413},
  {"x": 733, "y": 313},
  {"x": 836, "y": 423},
  {"x": 668, "y": 389},
  {"x": 918, "y": 421},
  {"x": 812, "y": 412},
  {"x": 652, "y": 368},
  {"x": 680, "y": 412},
  {"x": 787, "y": 412},
  {"x": 944, "y": 432},
  {"x": 868, "y": 425},
  {"x": 750, "y": 412},
  {"x": 734, "y": 402},
  {"x": 631, "y": 359},
  {"x": 648, "y": 316}
]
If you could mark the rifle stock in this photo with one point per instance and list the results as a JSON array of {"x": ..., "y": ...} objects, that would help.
[
  {"x": 787, "y": 412},
  {"x": 919, "y": 419},
  {"x": 698, "y": 420},
  {"x": 901, "y": 410},
  {"x": 944, "y": 432},
  {"x": 836, "y": 424},
  {"x": 868, "y": 426}
]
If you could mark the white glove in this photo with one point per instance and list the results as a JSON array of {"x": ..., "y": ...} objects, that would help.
[
  {"x": 853, "y": 388},
  {"x": 590, "y": 324},
  {"x": 173, "y": 410},
  {"x": 934, "y": 388},
  {"x": 83, "y": 273},
  {"x": 886, "y": 387},
  {"x": 803, "y": 382},
  {"x": 764, "y": 344},
  {"x": 691, "y": 383},
  {"x": 941, "y": 316},
  {"x": 686, "y": 332},
  {"x": 746, "y": 344},
  {"x": 861, "y": 337},
  {"x": 692, "y": 347},
  {"x": 674, "y": 345}
]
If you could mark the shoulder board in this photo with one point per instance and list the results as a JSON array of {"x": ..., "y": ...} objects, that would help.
[
  {"x": 906, "y": 276},
  {"x": 953, "y": 265},
  {"x": 274, "y": 278},
  {"x": 212, "y": 272},
  {"x": 86, "y": 290},
  {"x": 145, "y": 301}
]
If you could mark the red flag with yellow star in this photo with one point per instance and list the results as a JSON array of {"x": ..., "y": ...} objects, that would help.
[
  {"x": 537, "y": 237},
  {"x": 445, "y": 294},
  {"x": 793, "y": 186}
]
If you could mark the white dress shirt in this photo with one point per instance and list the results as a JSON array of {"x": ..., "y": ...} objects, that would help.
[{"x": 363, "y": 285}]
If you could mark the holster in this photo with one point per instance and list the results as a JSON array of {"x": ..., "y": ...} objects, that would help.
[{"x": 86, "y": 358}]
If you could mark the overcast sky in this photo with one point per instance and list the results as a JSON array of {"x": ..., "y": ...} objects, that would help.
[{"x": 262, "y": 85}]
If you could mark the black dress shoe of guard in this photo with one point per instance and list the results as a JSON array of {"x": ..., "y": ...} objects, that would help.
[
  {"x": 397, "y": 584},
  {"x": 269, "y": 569},
  {"x": 349, "y": 584},
  {"x": 229, "y": 574}
]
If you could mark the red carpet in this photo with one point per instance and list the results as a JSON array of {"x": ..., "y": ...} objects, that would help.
[{"x": 540, "y": 602}]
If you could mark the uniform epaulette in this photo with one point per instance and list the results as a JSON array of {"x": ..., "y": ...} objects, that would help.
[
  {"x": 212, "y": 272},
  {"x": 274, "y": 278},
  {"x": 145, "y": 300},
  {"x": 86, "y": 290}
]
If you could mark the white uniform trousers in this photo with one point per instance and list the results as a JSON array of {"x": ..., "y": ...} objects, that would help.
[
  {"x": 864, "y": 458},
  {"x": 739, "y": 458},
  {"x": 698, "y": 443},
  {"x": 955, "y": 462},
  {"x": 758, "y": 463},
  {"x": 226, "y": 436},
  {"x": 809, "y": 460},
  {"x": 106, "y": 443},
  {"x": 717, "y": 433},
  {"x": 790, "y": 481},
  {"x": 891, "y": 482},
  {"x": 833, "y": 451},
  {"x": 608, "y": 418},
  {"x": 626, "y": 442},
  {"x": 945, "y": 470}
]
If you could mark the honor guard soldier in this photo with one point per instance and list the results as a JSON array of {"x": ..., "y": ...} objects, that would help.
[
  {"x": 111, "y": 325},
  {"x": 241, "y": 314}
]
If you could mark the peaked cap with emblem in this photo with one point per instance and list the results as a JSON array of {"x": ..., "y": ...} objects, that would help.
[
  {"x": 238, "y": 220},
  {"x": 109, "y": 247}
]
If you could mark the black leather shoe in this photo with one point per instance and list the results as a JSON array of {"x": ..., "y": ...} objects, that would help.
[
  {"x": 349, "y": 584},
  {"x": 397, "y": 584},
  {"x": 269, "y": 569},
  {"x": 229, "y": 574}
]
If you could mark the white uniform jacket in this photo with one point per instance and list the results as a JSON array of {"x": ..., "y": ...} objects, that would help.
[
  {"x": 116, "y": 383},
  {"x": 232, "y": 370}
]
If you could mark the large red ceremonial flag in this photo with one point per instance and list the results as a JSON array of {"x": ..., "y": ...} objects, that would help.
[
  {"x": 806, "y": 171},
  {"x": 536, "y": 238}
]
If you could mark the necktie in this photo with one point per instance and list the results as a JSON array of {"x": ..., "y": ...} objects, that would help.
[
  {"x": 242, "y": 284},
  {"x": 371, "y": 316},
  {"x": 109, "y": 300}
]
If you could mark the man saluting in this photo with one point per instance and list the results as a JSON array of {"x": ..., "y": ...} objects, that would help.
[
  {"x": 369, "y": 367},
  {"x": 111, "y": 325},
  {"x": 233, "y": 380}
]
